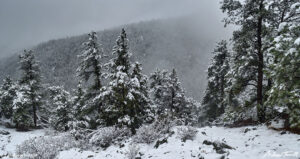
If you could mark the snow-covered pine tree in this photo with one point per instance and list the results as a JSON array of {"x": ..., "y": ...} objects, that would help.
[
  {"x": 91, "y": 67},
  {"x": 213, "y": 100},
  {"x": 119, "y": 108},
  {"x": 141, "y": 102},
  {"x": 257, "y": 19},
  {"x": 285, "y": 67},
  {"x": 179, "y": 102},
  {"x": 61, "y": 103},
  {"x": 159, "y": 91},
  {"x": 169, "y": 96},
  {"x": 27, "y": 103},
  {"x": 7, "y": 95}
]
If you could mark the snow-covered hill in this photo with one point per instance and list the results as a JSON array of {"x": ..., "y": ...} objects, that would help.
[{"x": 247, "y": 142}]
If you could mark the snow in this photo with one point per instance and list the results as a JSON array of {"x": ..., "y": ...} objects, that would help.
[
  {"x": 252, "y": 142},
  {"x": 297, "y": 41},
  {"x": 9, "y": 142},
  {"x": 259, "y": 142}
]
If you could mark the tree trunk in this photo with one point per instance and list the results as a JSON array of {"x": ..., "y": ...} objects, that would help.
[{"x": 260, "y": 106}]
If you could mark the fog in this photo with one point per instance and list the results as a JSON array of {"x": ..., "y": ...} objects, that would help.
[{"x": 27, "y": 23}]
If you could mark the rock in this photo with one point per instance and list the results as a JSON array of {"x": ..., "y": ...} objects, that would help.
[
  {"x": 90, "y": 156},
  {"x": 246, "y": 130},
  {"x": 218, "y": 146},
  {"x": 282, "y": 132},
  {"x": 205, "y": 142},
  {"x": 160, "y": 142},
  {"x": 204, "y": 133},
  {"x": 3, "y": 132}
]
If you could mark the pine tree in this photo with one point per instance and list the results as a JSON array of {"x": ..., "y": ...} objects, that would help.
[
  {"x": 22, "y": 109},
  {"x": 284, "y": 68},
  {"x": 29, "y": 96},
  {"x": 7, "y": 95},
  {"x": 213, "y": 100},
  {"x": 169, "y": 96},
  {"x": 61, "y": 114},
  {"x": 91, "y": 66},
  {"x": 159, "y": 89},
  {"x": 258, "y": 20},
  {"x": 141, "y": 101},
  {"x": 119, "y": 109}
]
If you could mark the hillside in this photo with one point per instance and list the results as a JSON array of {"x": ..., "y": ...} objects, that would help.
[{"x": 158, "y": 43}]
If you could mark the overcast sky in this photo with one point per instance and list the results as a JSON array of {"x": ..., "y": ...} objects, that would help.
[{"x": 25, "y": 23}]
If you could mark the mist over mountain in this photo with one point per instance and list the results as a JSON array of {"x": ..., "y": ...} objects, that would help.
[{"x": 177, "y": 43}]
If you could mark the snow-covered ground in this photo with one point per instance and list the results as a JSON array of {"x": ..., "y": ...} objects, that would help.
[
  {"x": 9, "y": 142},
  {"x": 258, "y": 142},
  {"x": 252, "y": 142}
]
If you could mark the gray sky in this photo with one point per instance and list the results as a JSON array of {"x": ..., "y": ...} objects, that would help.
[{"x": 25, "y": 23}]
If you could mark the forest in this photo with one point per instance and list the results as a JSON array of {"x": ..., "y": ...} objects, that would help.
[{"x": 107, "y": 100}]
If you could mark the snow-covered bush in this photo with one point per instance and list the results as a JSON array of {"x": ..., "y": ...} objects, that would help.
[
  {"x": 45, "y": 147},
  {"x": 106, "y": 136},
  {"x": 133, "y": 151},
  {"x": 187, "y": 133},
  {"x": 79, "y": 129},
  {"x": 149, "y": 133}
]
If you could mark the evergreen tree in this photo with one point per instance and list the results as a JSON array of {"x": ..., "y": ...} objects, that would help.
[
  {"x": 249, "y": 49},
  {"x": 213, "y": 100},
  {"x": 61, "y": 114},
  {"x": 141, "y": 102},
  {"x": 159, "y": 89},
  {"x": 7, "y": 95},
  {"x": 258, "y": 20},
  {"x": 28, "y": 96},
  {"x": 169, "y": 96},
  {"x": 91, "y": 66},
  {"x": 22, "y": 109},
  {"x": 119, "y": 109},
  {"x": 284, "y": 68}
]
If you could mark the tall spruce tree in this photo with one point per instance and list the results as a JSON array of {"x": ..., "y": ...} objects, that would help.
[
  {"x": 7, "y": 96},
  {"x": 91, "y": 67},
  {"x": 28, "y": 99},
  {"x": 213, "y": 100},
  {"x": 121, "y": 106}
]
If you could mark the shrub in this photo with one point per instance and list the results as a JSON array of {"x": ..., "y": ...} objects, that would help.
[
  {"x": 106, "y": 136},
  {"x": 149, "y": 133},
  {"x": 133, "y": 151},
  {"x": 187, "y": 133},
  {"x": 45, "y": 147}
]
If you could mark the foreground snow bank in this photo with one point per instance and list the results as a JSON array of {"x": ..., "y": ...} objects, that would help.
[
  {"x": 253, "y": 142},
  {"x": 9, "y": 142},
  {"x": 248, "y": 142}
]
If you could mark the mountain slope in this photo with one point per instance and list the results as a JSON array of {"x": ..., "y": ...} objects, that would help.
[{"x": 177, "y": 43}]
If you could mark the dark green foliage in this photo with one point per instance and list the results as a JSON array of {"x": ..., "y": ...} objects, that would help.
[
  {"x": 28, "y": 100},
  {"x": 213, "y": 101},
  {"x": 169, "y": 97},
  {"x": 91, "y": 67},
  {"x": 7, "y": 95},
  {"x": 61, "y": 114}
]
